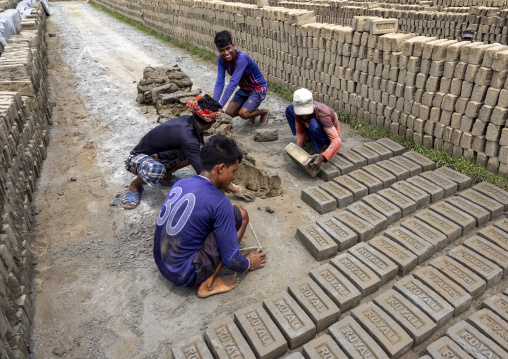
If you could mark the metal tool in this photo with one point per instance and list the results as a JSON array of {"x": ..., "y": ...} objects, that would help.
[{"x": 255, "y": 236}]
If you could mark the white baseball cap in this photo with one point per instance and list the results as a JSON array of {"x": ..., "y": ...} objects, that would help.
[{"x": 303, "y": 104}]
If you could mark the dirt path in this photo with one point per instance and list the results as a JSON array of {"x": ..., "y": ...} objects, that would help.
[{"x": 98, "y": 291}]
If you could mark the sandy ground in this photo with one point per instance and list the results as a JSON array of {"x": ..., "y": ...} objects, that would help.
[{"x": 98, "y": 291}]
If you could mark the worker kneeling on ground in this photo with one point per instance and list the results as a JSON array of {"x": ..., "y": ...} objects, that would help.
[
  {"x": 198, "y": 229},
  {"x": 171, "y": 146},
  {"x": 244, "y": 73},
  {"x": 314, "y": 123}
]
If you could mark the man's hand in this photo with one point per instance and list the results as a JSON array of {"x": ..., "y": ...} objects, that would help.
[
  {"x": 317, "y": 160},
  {"x": 257, "y": 259},
  {"x": 244, "y": 194}
]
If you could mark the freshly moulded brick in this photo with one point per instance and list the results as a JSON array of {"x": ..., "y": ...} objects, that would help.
[
  {"x": 295, "y": 325},
  {"x": 343, "y": 165},
  {"x": 425, "y": 299},
  {"x": 502, "y": 224},
  {"x": 478, "y": 264},
  {"x": 472, "y": 341},
  {"x": 322, "y": 347},
  {"x": 495, "y": 235},
  {"x": 480, "y": 215},
  {"x": 447, "y": 185},
  {"x": 413, "y": 168},
  {"x": 372, "y": 183},
  {"x": 406, "y": 204},
  {"x": 319, "y": 200},
  {"x": 424, "y": 162},
  {"x": 355, "y": 341},
  {"x": 386, "y": 178},
  {"x": 381, "y": 205},
  {"x": 261, "y": 333},
  {"x": 356, "y": 188},
  {"x": 358, "y": 273},
  {"x": 462, "y": 180},
  {"x": 436, "y": 193},
  {"x": 461, "y": 275},
  {"x": 405, "y": 260},
  {"x": 328, "y": 171},
  {"x": 497, "y": 304},
  {"x": 491, "y": 325},
  {"x": 392, "y": 338},
  {"x": 375, "y": 260},
  {"x": 417, "y": 245},
  {"x": 194, "y": 347},
  {"x": 225, "y": 340},
  {"x": 392, "y": 146},
  {"x": 416, "y": 323},
  {"x": 364, "y": 229},
  {"x": 451, "y": 230},
  {"x": 489, "y": 250},
  {"x": 340, "y": 233},
  {"x": 354, "y": 158},
  {"x": 444, "y": 348},
  {"x": 445, "y": 287},
  {"x": 399, "y": 172},
  {"x": 421, "y": 198},
  {"x": 368, "y": 214},
  {"x": 426, "y": 232},
  {"x": 494, "y": 192},
  {"x": 319, "y": 244},
  {"x": 383, "y": 152},
  {"x": 313, "y": 300},
  {"x": 367, "y": 153},
  {"x": 337, "y": 286},
  {"x": 457, "y": 216},
  {"x": 341, "y": 195}
]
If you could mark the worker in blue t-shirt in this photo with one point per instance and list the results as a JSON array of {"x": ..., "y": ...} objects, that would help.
[
  {"x": 198, "y": 229},
  {"x": 245, "y": 73}
]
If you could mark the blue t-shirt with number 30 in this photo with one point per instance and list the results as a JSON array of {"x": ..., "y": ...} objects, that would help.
[{"x": 193, "y": 208}]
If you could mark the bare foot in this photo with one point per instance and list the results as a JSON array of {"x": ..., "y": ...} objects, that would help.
[
  {"x": 263, "y": 119},
  {"x": 251, "y": 121},
  {"x": 219, "y": 285}
]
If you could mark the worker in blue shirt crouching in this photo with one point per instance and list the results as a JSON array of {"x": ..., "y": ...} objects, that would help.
[{"x": 198, "y": 229}]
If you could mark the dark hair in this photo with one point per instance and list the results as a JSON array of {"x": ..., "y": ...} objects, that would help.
[
  {"x": 220, "y": 149},
  {"x": 207, "y": 103},
  {"x": 223, "y": 38}
]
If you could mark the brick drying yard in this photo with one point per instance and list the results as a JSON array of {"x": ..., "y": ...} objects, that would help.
[{"x": 385, "y": 254}]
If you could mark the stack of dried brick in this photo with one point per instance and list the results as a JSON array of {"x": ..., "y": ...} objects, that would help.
[
  {"x": 23, "y": 138},
  {"x": 447, "y": 23}
]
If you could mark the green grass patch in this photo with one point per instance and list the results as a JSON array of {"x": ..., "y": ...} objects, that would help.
[
  {"x": 469, "y": 168},
  {"x": 49, "y": 25}
]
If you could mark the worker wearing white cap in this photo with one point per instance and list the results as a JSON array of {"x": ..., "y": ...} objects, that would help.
[{"x": 315, "y": 122}]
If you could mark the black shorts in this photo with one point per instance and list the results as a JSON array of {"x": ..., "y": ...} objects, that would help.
[{"x": 208, "y": 256}]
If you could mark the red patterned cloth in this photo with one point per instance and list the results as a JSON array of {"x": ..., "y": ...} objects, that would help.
[{"x": 206, "y": 115}]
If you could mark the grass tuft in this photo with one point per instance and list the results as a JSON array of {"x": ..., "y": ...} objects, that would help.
[{"x": 469, "y": 168}]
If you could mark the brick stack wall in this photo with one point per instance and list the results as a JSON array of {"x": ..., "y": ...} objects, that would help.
[
  {"x": 440, "y": 93},
  {"x": 490, "y": 23},
  {"x": 24, "y": 118}
]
